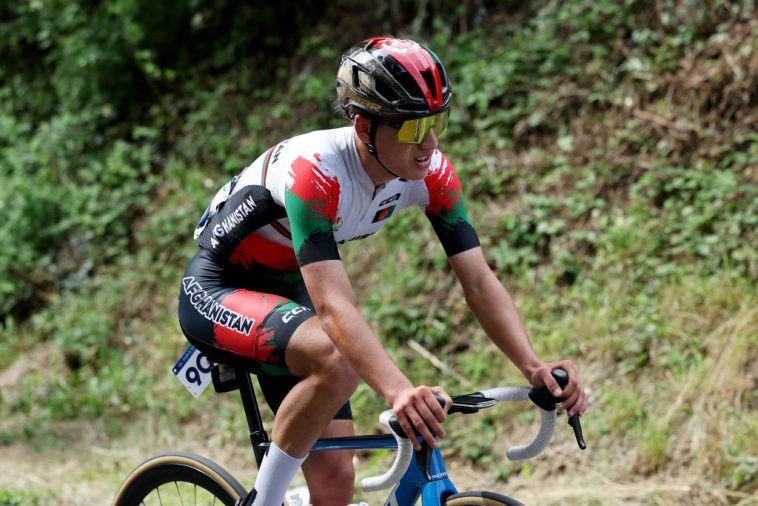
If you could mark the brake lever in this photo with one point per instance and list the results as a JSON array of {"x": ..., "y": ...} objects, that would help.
[
  {"x": 577, "y": 426},
  {"x": 547, "y": 401}
]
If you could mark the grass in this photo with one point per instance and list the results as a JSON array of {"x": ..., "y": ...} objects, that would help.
[
  {"x": 671, "y": 377},
  {"x": 669, "y": 366},
  {"x": 687, "y": 417},
  {"x": 15, "y": 497},
  {"x": 627, "y": 243}
]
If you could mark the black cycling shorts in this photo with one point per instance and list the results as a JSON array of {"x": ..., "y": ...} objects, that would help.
[{"x": 236, "y": 319}]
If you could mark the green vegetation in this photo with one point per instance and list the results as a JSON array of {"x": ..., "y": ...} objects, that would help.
[
  {"x": 610, "y": 160},
  {"x": 24, "y": 498}
]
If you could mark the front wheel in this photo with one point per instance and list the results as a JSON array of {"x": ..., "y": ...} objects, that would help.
[
  {"x": 480, "y": 498},
  {"x": 179, "y": 478}
]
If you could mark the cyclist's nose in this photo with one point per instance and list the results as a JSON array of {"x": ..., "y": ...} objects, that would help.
[{"x": 430, "y": 142}]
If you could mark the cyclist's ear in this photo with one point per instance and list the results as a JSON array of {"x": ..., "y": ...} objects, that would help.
[{"x": 362, "y": 127}]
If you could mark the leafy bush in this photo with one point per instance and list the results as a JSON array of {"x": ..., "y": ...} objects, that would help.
[
  {"x": 28, "y": 263},
  {"x": 64, "y": 223},
  {"x": 607, "y": 150}
]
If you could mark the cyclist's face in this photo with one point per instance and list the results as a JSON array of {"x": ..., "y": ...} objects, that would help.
[{"x": 410, "y": 161}]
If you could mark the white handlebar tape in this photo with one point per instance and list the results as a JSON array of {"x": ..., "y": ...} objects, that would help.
[
  {"x": 520, "y": 452},
  {"x": 402, "y": 461},
  {"x": 547, "y": 422},
  {"x": 529, "y": 450},
  {"x": 507, "y": 394}
]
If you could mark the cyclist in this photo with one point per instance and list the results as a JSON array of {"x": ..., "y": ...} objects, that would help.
[{"x": 267, "y": 288}]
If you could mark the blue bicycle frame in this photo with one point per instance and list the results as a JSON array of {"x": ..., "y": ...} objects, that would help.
[{"x": 426, "y": 477}]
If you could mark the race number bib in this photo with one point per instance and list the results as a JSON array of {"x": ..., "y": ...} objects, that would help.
[{"x": 194, "y": 371}]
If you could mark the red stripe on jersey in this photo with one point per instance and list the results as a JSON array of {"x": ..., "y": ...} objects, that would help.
[
  {"x": 265, "y": 166},
  {"x": 444, "y": 188},
  {"x": 257, "y": 250},
  {"x": 318, "y": 191},
  {"x": 281, "y": 229}
]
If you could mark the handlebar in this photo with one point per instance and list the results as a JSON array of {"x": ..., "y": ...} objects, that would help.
[
  {"x": 402, "y": 460},
  {"x": 470, "y": 403},
  {"x": 547, "y": 422}
]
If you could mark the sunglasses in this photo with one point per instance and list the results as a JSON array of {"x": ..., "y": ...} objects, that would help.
[{"x": 414, "y": 131}]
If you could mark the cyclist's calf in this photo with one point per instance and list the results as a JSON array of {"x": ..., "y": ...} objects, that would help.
[{"x": 330, "y": 475}]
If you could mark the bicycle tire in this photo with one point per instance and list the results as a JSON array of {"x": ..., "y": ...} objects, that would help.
[
  {"x": 184, "y": 476},
  {"x": 480, "y": 498}
]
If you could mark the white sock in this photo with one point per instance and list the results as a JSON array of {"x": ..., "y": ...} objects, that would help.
[{"x": 274, "y": 476}]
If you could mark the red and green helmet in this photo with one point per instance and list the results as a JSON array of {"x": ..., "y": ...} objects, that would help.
[{"x": 392, "y": 78}]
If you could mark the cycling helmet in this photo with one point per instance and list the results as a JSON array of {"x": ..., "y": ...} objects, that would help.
[{"x": 392, "y": 78}]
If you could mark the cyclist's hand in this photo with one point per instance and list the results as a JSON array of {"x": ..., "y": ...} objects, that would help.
[
  {"x": 575, "y": 398},
  {"x": 418, "y": 408}
]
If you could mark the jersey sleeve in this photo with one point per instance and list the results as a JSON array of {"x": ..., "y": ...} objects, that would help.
[
  {"x": 447, "y": 212},
  {"x": 311, "y": 199}
]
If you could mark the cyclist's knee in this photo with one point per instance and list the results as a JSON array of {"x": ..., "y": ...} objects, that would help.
[
  {"x": 320, "y": 356},
  {"x": 337, "y": 372}
]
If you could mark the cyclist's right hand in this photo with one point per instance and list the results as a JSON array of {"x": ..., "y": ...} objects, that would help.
[{"x": 417, "y": 408}]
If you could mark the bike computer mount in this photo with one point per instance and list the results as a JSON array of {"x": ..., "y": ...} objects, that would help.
[{"x": 470, "y": 403}]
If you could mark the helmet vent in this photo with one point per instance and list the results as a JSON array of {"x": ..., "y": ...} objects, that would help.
[
  {"x": 363, "y": 81},
  {"x": 410, "y": 85},
  {"x": 385, "y": 91},
  {"x": 443, "y": 76},
  {"x": 427, "y": 75}
]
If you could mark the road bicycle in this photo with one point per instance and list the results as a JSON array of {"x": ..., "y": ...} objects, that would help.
[{"x": 188, "y": 479}]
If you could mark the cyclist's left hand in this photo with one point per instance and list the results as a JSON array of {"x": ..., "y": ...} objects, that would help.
[{"x": 575, "y": 398}]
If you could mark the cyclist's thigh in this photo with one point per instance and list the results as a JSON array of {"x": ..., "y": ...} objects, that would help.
[
  {"x": 244, "y": 327},
  {"x": 275, "y": 388}
]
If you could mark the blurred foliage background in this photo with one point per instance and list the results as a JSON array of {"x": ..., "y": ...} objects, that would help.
[{"x": 609, "y": 154}]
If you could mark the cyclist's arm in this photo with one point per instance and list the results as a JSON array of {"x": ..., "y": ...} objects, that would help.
[
  {"x": 494, "y": 308},
  {"x": 487, "y": 297},
  {"x": 334, "y": 301},
  {"x": 333, "y": 298},
  {"x": 311, "y": 200}
]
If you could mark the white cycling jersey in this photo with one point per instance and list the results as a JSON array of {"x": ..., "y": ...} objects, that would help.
[{"x": 303, "y": 196}]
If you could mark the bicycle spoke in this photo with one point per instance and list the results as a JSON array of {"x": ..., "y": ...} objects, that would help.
[
  {"x": 195, "y": 481},
  {"x": 166, "y": 495},
  {"x": 179, "y": 493}
]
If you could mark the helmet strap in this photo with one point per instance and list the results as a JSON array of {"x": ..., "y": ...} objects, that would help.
[{"x": 371, "y": 146}]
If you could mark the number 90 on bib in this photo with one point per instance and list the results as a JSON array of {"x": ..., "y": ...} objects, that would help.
[{"x": 193, "y": 369}]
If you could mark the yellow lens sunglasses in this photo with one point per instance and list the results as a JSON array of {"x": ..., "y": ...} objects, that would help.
[{"x": 415, "y": 130}]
